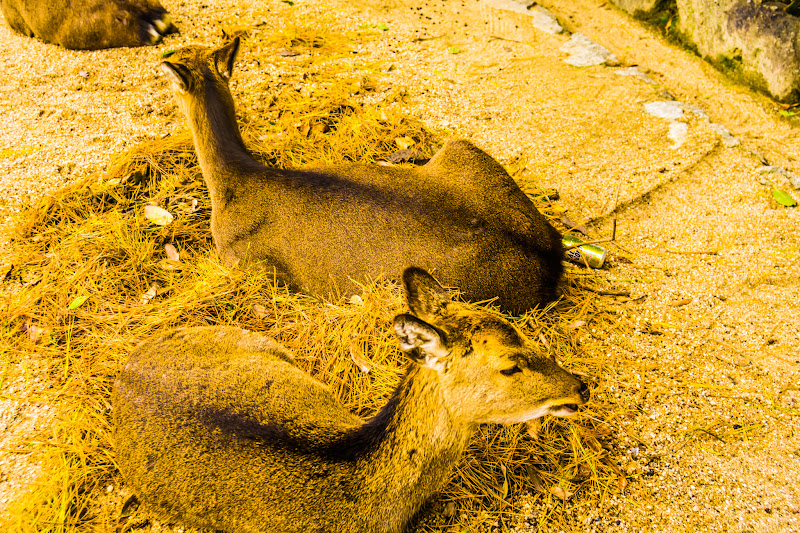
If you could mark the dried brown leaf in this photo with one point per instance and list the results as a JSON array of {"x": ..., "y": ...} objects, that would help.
[
  {"x": 172, "y": 253},
  {"x": 169, "y": 264},
  {"x": 157, "y": 215},
  {"x": 534, "y": 428},
  {"x": 561, "y": 493},
  {"x": 404, "y": 142},
  {"x": 259, "y": 311},
  {"x": 364, "y": 364},
  {"x": 151, "y": 293}
]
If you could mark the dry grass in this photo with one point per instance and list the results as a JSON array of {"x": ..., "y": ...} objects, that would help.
[{"x": 92, "y": 279}]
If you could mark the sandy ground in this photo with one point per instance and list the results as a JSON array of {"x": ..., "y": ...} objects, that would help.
[{"x": 710, "y": 262}]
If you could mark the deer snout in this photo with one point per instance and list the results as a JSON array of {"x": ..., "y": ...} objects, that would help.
[{"x": 583, "y": 391}]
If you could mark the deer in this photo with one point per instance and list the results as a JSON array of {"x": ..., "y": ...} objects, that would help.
[
  {"x": 324, "y": 229},
  {"x": 216, "y": 427},
  {"x": 90, "y": 24}
]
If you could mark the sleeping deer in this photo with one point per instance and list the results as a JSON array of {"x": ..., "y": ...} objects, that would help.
[
  {"x": 323, "y": 230},
  {"x": 89, "y": 24},
  {"x": 216, "y": 427}
]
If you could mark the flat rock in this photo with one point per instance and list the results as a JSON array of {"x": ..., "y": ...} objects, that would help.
[
  {"x": 584, "y": 52},
  {"x": 754, "y": 41},
  {"x": 543, "y": 19},
  {"x": 639, "y": 8}
]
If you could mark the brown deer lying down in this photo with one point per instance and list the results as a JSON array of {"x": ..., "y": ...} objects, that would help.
[
  {"x": 89, "y": 24},
  {"x": 460, "y": 215},
  {"x": 216, "y": 427}
]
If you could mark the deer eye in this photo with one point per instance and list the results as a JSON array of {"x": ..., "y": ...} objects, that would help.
[{"x": 511, "y": 371}]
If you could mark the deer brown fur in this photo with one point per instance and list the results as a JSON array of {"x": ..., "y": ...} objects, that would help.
[
  {"x": 322, "y": 229},
  {"x": 216, "y": 427},
  {"x": 89, "y": 24}
]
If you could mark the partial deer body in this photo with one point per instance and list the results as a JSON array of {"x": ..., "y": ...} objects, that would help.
[
  {"x": 216, "y": 427},
  {"x": 89, "y": 24},
  {"x": 322, "y": 229}
]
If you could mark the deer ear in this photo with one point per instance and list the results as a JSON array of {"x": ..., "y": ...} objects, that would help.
[
  {"x": 225, "y": 57},
  {"x": 424, "y": 295},
  {"x": 176, "y": 77},
  {"x": 421, "y": 342}
]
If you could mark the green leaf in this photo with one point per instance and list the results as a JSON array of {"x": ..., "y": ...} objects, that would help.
[
  {"x": 77, "y": 302},
  {"x": 785, "y": 113},
  {"x": 288, "y": 2},
  {"x": 454, "y": 50},
  {"x": 783, "y": 198},
  {"x": 380, "y": 26}
]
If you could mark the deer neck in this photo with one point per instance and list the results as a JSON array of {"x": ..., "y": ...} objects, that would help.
[
  {"x": 223, "y": 157},
  {"x": 419, "y": 443}
]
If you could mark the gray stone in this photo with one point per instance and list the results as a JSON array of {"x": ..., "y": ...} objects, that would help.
[
  {"x": 584, "y": 52},
  {"x": 636, "y": 73},
  {"x": 543, "y": 19},
  {"x": 678, "y": 131},
  {"x": 793, "y": 178},
  {"x": 754, "y": 41},
  {"x": 669, "y": 110},
  {"x": 725, "y": 135},
  {"x": 639, "y": 8}
]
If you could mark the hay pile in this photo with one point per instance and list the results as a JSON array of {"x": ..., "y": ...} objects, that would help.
[{"x": 93, "y": 277}]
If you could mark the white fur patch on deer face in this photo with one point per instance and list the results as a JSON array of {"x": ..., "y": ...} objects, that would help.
[{"x": 174, "y": 80}]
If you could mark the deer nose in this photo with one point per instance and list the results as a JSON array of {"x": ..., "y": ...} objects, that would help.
[{"x": 584, "y": 392}]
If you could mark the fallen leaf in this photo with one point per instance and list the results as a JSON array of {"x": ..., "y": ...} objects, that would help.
[
  {"x": 151, "y": 293},
  {"x": 157, "y": 215},
  {"x": 535, "y": 479},
  {"x": 172, "y": 252},
  {"x": 544, "y": 341},
  {"x": 622, "y": 483},
  {"x": 574, "y": 225},
  {"x": 681, "y": 302},
  {"x": 169, "y": 264},
  {"x": 404, "y": 142},
  {"x": 561, "y": 493},
  {"x": 783, "y": 198},
  {"x": 259, "y": 311},
  {"x": 364, "y": 364},
  {"x": 77, "y": 302},
  {"x": 594, "y": 444},
  {"x": 449, "y": 509},
  {"x": 35, "y": 333},
  {"x": 534, "y": 427},
  {"x": 405, "y": 155},
  {"x": 578, "y": 323}
]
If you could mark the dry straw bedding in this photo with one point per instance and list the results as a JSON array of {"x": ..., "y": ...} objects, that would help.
[{"x": 93, "y": 277}]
